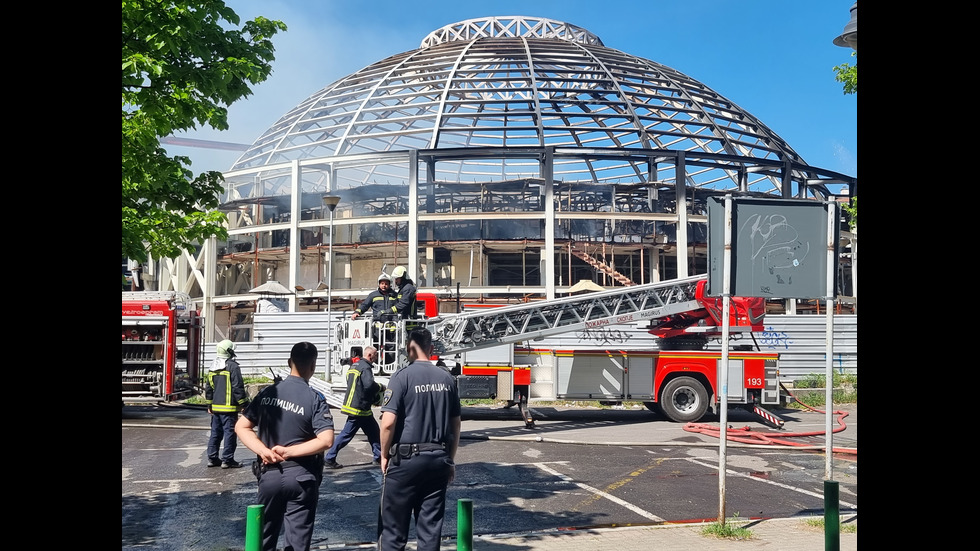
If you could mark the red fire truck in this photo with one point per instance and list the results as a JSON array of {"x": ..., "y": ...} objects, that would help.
[
  {"x": 496, "y": 351},
  {"x": 161, "y": 346}
]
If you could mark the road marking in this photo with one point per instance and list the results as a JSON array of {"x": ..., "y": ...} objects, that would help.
[
  {"x": 599, "y": 492},
  {"x": 170, "y": 480},
  {"x": 781, "y": 485}
]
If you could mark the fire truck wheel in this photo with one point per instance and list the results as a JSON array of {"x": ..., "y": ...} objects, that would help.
[{"x": 684, "y": 400}]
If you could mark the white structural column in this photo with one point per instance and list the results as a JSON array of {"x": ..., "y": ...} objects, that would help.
[
  {"x": 680, "y": 177},
  {"x": 413, "y": 215},
  {"x": 654, "y": 264},
  {"x": 430, "y": 253},
  {"x": 210, "y": 269},
  {"x": 547, "y": 174},
  {"x": 295, "y": 258}
]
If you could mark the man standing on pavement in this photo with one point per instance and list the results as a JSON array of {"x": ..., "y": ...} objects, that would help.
[
  {"x": 224, "y": 390},
  {"x": 362, "y": 392},
  {"x": 420, "y": 424},
  {"x": 294, "y": 428}
]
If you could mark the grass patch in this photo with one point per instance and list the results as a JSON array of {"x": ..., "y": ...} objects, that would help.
[
  {"x": 811, "y": 391},
  {"x": 196, "y": 400},
  {"x": 480, "y": 402},
  {"x": 732, "y": 529},
  {"x": 819, "y": 523}
]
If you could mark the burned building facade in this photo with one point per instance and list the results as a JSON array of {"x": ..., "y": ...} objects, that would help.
[{"x": 505, "y": 159}]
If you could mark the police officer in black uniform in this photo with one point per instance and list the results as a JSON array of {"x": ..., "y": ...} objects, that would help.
[
  {"x": 420, "y": 424},
  {"x": 294, "y": 428}
]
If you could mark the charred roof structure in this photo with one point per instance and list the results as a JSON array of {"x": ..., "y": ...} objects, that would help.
[{"x": 505, "y": 159}]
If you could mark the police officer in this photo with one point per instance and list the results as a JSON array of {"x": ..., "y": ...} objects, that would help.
[
  {"x": 294, "y": 428},
  {"x": 405, "y": 304},
  {"x": 224, "y": 390},
  {"x": 362, "y": 392},
  {"x": 420, "y": 424},
  {"x": 379, "y": 301}
]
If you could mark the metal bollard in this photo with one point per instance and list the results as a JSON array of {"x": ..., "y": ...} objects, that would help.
[
  {"x": 831, "y": 515},
  {"x": 464, "y": 525},
  {"x": 253, "y": 528}
]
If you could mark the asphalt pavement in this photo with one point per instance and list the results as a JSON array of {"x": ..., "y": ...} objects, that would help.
[
  {"x": 791, "y": 534},
  {"x": 804, "y": 533},
  {"x": 798, "y": 533}
]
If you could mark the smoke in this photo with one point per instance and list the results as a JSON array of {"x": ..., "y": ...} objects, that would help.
[{"x": 846, "y": 161}]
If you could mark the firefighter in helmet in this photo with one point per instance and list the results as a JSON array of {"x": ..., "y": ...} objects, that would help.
[
  {"x": 379, "y": 301},
  {"x": 405, "y": 304},
  {"x": 224, "y": 390}
]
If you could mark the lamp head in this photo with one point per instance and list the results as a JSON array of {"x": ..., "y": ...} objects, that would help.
[
  {"x": 849, "y": 38},
  {"x": 330, "y": 201}
]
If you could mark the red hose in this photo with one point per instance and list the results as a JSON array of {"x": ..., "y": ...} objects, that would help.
[{"x": 747, "y": 436}]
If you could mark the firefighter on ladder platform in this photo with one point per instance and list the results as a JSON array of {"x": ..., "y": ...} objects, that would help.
[
  {"x": 381, "y": 302},
  {"x": 405, "y": 304}
]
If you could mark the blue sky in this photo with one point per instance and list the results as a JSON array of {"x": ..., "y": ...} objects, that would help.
[{"x": 774, "y": 58}]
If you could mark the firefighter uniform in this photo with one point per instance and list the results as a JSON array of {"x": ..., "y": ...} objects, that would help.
[
  {"x": 362, "y": 392},
  {"x": 378, "y": 301},
  {"x": 425, "y": 401},
  {"x": 287, "y": 413},
  {"x": 406, "y": 303},
  {"x": 224, "y": 389}
]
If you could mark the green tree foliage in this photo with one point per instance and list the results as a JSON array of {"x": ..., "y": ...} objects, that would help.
[
  {"x": 183, "y": 63},
  {"x": 847, "y": 74}
]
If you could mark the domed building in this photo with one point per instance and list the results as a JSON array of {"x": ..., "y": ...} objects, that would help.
[{"x": 504, "y": 160}]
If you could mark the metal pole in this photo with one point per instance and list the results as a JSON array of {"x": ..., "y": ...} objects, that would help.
[
  {"x": 831, "y": 515},
  {"x": 464, "y": 525},
  {"x": 253, "y": 527},
  {"x": 829, "y": 366},
  {"x": 723, "y": 376},
  {"x": 330, "y": 299},
  {"x": 331, "y": 202}
]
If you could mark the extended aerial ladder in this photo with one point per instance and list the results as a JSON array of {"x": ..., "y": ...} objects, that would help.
[{"x": 511, "y": 324}]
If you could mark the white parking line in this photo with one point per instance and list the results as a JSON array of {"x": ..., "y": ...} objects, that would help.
[
  {"x": 785, "y": 486},
  {"x": 599, "y": 492}
]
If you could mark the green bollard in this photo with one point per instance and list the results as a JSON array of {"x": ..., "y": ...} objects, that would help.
[
  {"x": 464, "y": 525},
  {"x": 831, "y": 515},
  {"x": 253, "y": 528}
]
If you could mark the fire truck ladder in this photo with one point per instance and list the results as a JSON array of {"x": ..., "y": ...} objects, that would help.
[
  {"x": 181, "y": 298},
  {"x": 510, "y": 324}
]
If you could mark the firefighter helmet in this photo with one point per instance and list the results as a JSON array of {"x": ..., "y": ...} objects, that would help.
[
  {"x": 398, "y": 272},
  {"x": 384, "y": 277},
  {"x": 225, "y": 349}
]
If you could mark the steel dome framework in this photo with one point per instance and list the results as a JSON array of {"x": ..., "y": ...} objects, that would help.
[{"x": 497, "y": 137}]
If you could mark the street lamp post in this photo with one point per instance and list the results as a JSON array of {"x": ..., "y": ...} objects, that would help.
[{"x": 330, "y": 201}]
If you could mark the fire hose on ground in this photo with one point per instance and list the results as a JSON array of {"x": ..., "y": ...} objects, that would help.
[{"x": 746, "y": 435}]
